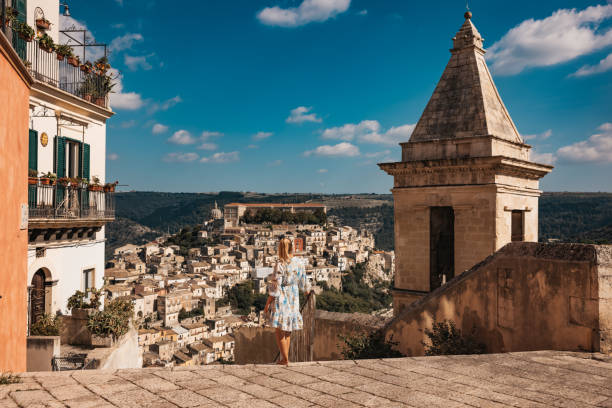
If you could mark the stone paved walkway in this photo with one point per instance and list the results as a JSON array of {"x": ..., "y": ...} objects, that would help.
[{"x": 534, "y": 379}]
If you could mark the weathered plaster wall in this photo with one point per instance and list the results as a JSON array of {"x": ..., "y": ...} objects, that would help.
[
  {"x": 14, "y": 92},
  {"x": 527, "y": 296},
  {"x": 41, "y": 350}
]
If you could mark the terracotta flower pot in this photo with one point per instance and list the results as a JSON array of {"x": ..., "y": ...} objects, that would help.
[
  {"x": 109, "y": 189},
  {"x": 100, "y": 101},
  {"x": 95, "y": 187},
  {"x": 45, "y": 181},
  {"x": 73, "y": 61},
  {"x": 42, "y": 24},
  {"x": 32, "y": 180},
  {"x": 60, "y": 57},
  {"x": 87, "y": 97}
]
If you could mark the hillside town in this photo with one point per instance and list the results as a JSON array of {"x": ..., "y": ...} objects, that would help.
[{"x": 176, "y": 291}]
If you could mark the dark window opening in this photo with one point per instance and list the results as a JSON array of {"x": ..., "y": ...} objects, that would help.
[
  {"x": 441, "y": 246},
  {"x": 518, "y": 225}
]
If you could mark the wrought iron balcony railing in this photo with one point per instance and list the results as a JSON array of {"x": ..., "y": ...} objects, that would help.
[
  {"x": 60, "y": 73},
  {"x": 58, "y": 202}
]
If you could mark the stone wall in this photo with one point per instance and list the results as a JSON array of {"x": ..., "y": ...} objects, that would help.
[
  {"x": 526, "y": 296},
  {"x": 41, "y": 350},
  {"x": 256, "y": 345}
]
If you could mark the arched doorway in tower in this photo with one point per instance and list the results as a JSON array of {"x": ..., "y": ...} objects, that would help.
[{"x": 37, "y": 296}]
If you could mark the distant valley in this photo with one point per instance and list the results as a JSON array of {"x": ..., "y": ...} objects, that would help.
[{"x": 141, "y": 216}]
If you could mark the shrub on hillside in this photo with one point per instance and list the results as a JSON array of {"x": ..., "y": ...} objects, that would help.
[
  {"x": 47, "y": 325},
  {"x": 368, "y": 345},
  {"x": 446, "y": 339}
]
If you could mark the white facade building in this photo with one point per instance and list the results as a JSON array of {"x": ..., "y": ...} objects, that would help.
[{"x": 67, "y": 138}]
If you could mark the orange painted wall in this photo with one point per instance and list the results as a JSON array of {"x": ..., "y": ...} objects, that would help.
[{"x": 14, "y": 116}]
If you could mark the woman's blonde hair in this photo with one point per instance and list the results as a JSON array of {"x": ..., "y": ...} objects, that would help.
[{"x": 285, "y": 249}]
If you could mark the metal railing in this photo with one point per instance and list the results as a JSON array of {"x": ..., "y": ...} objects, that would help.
[
  {"x": 69, "y": 202},
  {"x": 47, "y": 68}
]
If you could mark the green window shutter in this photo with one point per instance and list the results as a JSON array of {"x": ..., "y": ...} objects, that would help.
[
  {"x": 60, "y": 156},
  {"x": 19, "y": 44},
  {"x": 86, "y": 162},
  {"x": 33, "y": 150}
]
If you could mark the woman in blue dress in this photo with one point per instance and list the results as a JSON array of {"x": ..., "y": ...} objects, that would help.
[{"x": 283, "y": 303}]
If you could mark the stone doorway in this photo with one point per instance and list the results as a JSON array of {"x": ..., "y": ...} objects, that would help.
[
  {"x": 441, "y": 246},
  {"x": 37, "y": 296}
]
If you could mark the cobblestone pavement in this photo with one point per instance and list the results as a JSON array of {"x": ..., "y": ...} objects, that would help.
[{"x": 531, "y": 379}]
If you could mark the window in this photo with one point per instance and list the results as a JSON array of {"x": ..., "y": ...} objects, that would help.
[
  {"x": 518, "y": 225},
  {"x": 88, "y": 279}
]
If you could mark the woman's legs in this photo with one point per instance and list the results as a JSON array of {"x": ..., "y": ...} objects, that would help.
[
  {"x": 285, "y": 343},
  {"x": 279, "y": 340}
]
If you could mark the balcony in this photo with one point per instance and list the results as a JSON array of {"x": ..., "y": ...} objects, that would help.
[
  {"x": 55, "y": 70},
  {"x": 59, "y": 206}
]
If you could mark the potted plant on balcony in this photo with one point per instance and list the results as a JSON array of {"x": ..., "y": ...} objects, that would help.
[
  {"x": 10, "y": 16},
  {"x": 49, "y": 178},
  {"x": 110, "y": 187},
  {"x": 102, "y": 65},
  {"x": 32, "y": 176},
  {"x": 63, "y": 181},
  {"x": 62, "y": 51},
  {"x": 24, "y": 31},
  {"x": 95, "y": 185},
  {"x": 87, "y": 67},
  {"x": 45, "y": 43},
  {"x": 43, "y": 23},
  {"x": 87, "y": 87},
  {"x": 74, "y": 60},
  {"x": 108, "y": 325}
]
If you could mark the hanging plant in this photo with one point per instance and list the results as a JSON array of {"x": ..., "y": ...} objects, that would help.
[
  {"x": 74, "y": 60},
  {"x": 10, "y": 16},
  {"x": 45, "y": 42},
  {"x": 110, "y": 187},
  {"x": 43, "y": 23},
  {"x": 62, "y": 51},
  {"x": 24, "y": 31}
]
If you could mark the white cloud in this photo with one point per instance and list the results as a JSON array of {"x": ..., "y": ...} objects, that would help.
[
  {"x": 307, "y": 12},
  {"x": 275, "y": 163},
  {"x": 180, "y": 157},
  {"x": 322, "y": 171},
  {"x": 112, "y": 156},
  {"x": 603, "y": 66},
  {"x": 165, "y": 105},
  {"x": 182, "y": 137},
  {"x": 596, "y": 149},
  {"x": 544, "y": 158},
  {"x": 222, "y": 157},
  {"x": 343, "y": 149},
  {"x": 561, "y": 37},
  {"x": 159, "y": 128},
  {"x": 208, "y": 146},
  {"x": 208, "y": 134},
  {"x": 252, "y": 146},
  {"x": 124, "y": 42},
  {"x": 117, "y": 26},
  {"x": 137, "y": 62},
  {"x": 539, "y": 136},
  {"x": 301, "y": 115},
  {"x": 377, "y": 154},
  {"x": 369, "y": 131},
  {"x": 128, "y": 124},
  {"x": 123, "y": 100},
  {"x": 262, "y": 135},
  {"x": 363, "y": 13}
]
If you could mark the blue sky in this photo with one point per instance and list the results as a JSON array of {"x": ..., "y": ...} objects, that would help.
[{"x": 308, "y": 95}]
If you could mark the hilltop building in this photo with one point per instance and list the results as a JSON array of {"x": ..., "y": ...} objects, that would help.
[
  {"x": 465, "y": 186},
  {"x": 67, "y": 204},
  {"x": 233, "y": 211}
]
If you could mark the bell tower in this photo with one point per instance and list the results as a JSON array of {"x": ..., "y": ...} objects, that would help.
[{"x": 465, "y": 186}]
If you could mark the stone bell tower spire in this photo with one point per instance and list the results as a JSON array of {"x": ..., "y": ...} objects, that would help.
[{"x": 465, "y": 186}]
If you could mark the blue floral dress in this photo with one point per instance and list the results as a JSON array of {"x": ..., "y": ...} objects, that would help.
[{"x": 284, "y": 284}]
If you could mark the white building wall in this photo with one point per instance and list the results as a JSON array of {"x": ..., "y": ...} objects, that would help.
[{"x": 66, "y": 263}]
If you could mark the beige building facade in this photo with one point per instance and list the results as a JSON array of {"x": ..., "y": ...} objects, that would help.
[{"x": 465, "y": 186}]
